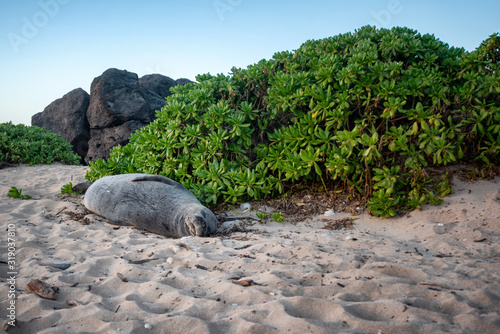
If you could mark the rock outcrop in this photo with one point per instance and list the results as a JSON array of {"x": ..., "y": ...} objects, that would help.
[
  {"x": 158, "y": 83},
  {"x": 118, "y": 106},
  {"x": 119, "y": 103},
  {"x": 67, "y": 117},
  {"x": 102, "y": 140}
]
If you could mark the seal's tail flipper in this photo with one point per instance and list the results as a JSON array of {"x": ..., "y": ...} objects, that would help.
[
  {"x": 158, "y": 178},
  {"x": 82, "y": 187}
]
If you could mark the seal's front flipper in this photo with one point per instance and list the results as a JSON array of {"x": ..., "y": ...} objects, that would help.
[{"x": 158, "y": 178}]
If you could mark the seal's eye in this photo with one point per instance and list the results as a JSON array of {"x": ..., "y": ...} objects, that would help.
[{"x": 200, "y": 219}]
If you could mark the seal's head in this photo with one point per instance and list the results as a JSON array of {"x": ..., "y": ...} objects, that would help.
[{"x": 201, "y": 223}]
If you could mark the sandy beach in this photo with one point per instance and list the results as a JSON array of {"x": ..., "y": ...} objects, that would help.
[{"x": 432, "y": 271}]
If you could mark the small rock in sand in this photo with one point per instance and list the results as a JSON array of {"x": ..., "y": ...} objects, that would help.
[
  {"x": 42, "y": 289},
  {"x": 245, "y": 206}
]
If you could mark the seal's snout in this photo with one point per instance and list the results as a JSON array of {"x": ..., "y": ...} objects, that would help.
[
  {"x": 201, "y": 228},
  {"x": 197, "y": 226},
  {"x": 201, "y": 223}
]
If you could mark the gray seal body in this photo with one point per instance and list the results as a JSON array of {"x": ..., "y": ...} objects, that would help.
[{"x": 151, "y": 202}]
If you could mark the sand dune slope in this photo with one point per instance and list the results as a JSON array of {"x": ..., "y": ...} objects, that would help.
[{"x": 437, "y": 271}]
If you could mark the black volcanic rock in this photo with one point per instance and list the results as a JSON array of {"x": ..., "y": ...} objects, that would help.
[
  {"x": 67, "y": 117},
  {"x": 119, "y": 104},
  {"x": 117, "y": 98},
  {"x": 158, "y": 88},
  {"x": 103, "y": 139},
  {"x": 158, "y": 83},
  {"x": 183, "y": 81}
]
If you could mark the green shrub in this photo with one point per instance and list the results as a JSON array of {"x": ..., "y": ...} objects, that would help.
[
  {"x": 67, "y": 189},
  {"x": 367, "y": 112},
  {"x": 17, "y": 193},
  {"x": 33, "y": 145}
]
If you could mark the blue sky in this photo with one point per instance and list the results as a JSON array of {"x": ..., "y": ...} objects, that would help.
[{"x": 50, "y": 47}]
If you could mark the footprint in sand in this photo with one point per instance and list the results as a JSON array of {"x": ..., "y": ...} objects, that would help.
[
  {"x": 383, "y": 310},
  {"x": 134, "y": 301},
  {"x": 402, "y": 272},
  {"x": 311, "y": 308}
]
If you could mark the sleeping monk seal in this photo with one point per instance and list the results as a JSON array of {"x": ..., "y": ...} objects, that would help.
[{"x": 154, "y": 203}]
